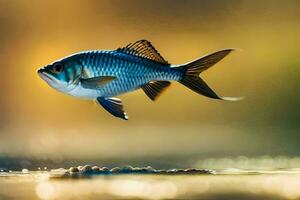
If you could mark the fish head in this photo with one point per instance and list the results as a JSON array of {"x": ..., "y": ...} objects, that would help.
[{"x": 63, "y": 75}]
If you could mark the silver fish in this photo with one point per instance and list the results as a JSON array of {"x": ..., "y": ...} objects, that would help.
[{"x": 103, "y": 74}]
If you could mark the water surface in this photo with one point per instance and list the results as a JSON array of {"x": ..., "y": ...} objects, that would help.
[{"x": 222, "y": 184}]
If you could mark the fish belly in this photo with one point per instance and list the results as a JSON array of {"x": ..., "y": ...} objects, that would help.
[
  {"x": 122, "y": 84},
  {"x": 84, "y": 93}
]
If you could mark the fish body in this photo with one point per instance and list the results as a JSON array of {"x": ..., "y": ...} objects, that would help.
[
  {"x": 131, "y": 72},
  {"x": 103, "y": 74}
]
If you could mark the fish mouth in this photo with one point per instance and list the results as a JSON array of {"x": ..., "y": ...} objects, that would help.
[{"x": 44, "y": 75}]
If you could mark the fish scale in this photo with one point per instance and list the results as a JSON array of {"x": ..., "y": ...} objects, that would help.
[{"x": 131, "y": 71}]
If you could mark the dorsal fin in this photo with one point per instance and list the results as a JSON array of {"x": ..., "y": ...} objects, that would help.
[{"x": 143, "y": 48}]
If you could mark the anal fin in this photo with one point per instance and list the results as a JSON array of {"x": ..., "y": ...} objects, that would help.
[
  {"x": 154, "y": 88},
  {"x": 114, "y": 106}
]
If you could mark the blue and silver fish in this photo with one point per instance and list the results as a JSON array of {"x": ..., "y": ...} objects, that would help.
[{"x": 103, "y": 74}]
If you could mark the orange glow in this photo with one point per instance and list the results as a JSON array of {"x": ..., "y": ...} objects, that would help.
[{"x": 37, "y": 120}]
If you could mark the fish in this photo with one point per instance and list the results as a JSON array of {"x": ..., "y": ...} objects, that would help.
[{"x": 101, "y": 75}]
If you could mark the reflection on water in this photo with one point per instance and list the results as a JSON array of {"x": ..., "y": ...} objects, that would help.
[
  {"x": 45, "y": 190},
  {"x": 225, "y": 184}
]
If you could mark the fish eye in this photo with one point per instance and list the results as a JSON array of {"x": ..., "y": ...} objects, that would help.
[{"x": 57, "y": 68}]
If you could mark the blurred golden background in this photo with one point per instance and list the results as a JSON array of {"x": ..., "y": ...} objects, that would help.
[{"x": 37, "y": 121}]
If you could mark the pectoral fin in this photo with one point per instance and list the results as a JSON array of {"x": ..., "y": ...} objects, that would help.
[
  {"x": 96, "y": 82},
  {"x": 114, "y": 106}
]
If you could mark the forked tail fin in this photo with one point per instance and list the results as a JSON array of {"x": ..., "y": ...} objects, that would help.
[{"x": 193, "y": 69}]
